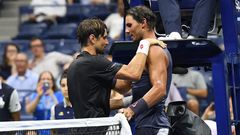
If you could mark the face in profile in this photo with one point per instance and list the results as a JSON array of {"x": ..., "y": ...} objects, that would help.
[
  {"x": 101, "y": 43},
  {"x": 133, "y": 28},
  {"x": 64, "y": 87}
]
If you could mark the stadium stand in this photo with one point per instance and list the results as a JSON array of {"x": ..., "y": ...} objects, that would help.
[
  {"x": 27, "y": 31},
  {"x": 61, "y": 31}
]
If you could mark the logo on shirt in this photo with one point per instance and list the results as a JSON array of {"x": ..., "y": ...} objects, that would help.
[
  {"x": 60, "y": 114},
  {"x": 134, "y": 104},
  {"x": 141, "y": 46}
]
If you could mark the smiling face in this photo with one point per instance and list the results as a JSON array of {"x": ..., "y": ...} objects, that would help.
[{"x": 134, "y": 29}]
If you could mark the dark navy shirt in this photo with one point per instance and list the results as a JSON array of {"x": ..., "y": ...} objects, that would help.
[
  {"x": 62, "y": 111},
  {"x": 155, "y": 116},
  {"x": 5, "y": 95}
]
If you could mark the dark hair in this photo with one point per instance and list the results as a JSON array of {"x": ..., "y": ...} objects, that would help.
[
  {"x": 90, "y": 26},
  {"x": 5, "y": 59},
  {"x": 53, "y": 79},
  {"x": 36, "y": 38},
  {"x": 139, "y": 13},
  {"x": 64, "y": 75}
]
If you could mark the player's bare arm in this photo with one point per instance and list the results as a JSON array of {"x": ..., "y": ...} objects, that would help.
[{"x": 134, "y": 69}]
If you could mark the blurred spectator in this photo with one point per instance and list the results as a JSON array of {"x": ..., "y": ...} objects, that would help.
[
  {"x": 25, "y": 79},
  {"x": 46, "y": 95},
  {"x": 47, "y": 10},
  {"x": 171, "y": 18},
  {"x": 9, "y": 104},
  {"x": 209, "y": 117},
  {"x": 191, "y": 86},
  {"x": 53, "y": 61},
  {"x": 8, "y": 68},
  {"x": 173, "y": 95},
  {"x": 70, "y": 2},
  {"x": 114, "y": 22},
  {"x": 94, "y": 2},
  {"x": 64, "y": 109}
]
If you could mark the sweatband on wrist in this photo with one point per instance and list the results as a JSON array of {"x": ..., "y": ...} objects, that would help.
[
  {"x": 127, "y": 101},
  {"x": 143, "y": 47},
  {"x": 139, "y": 106}
]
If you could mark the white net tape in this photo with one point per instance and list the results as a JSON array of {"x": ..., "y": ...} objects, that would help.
[{"x": 118, "y": 119}]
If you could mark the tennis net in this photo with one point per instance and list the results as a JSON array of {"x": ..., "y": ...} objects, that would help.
[{"x": 116, "y": 125}]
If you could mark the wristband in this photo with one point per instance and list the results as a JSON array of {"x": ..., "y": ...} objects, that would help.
[
  {"x": 143, "y": 47},
  {"x": 139, "y": 106},
  {"x": 127, "y": 101}
]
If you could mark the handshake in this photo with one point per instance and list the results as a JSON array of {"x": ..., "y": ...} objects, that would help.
[{"x": 144, "y": 45}]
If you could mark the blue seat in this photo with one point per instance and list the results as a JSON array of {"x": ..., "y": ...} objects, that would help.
[
  {"x": 27, "y": 31},
  {"x": 73, "y": 13},
  {"x": 69, "y": 46},
  {"x": 61, "y": 31},
  {"x": 51, "y": 45},
  {"x": 77, "y": 12}
]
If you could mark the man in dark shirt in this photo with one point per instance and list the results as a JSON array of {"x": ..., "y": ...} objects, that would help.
[{"x": 91, "y": 76}]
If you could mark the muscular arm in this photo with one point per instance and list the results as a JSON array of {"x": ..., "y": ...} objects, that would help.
[
  {"x": 157, "y": 65},
  {"x": 134, "y": 69}
]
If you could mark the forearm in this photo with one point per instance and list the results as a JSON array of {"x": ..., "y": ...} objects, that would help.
[
  {"x": 122, "y": 86},
  {"x": 116, "y": 104},
  {"x": 120, "y": 103},
  {"x": 134, "y": 69},
  {"x": 30, "y": 107},
  {"x": 154, "y": 95},
  {"x": 136, "y": 66},
  {"x": 198, "y": 92}
]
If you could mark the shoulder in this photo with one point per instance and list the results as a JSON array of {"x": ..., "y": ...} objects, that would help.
[
  {"x": 32, "y": 74},
  {"x": 11, "y": 78},
  {"x": 61, "y": 104},
  {"x": 156, "y": 53},
  {"x": 53, "y": 54}
]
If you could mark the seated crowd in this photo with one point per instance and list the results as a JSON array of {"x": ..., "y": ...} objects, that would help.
[{"x": 38, "y": 82}]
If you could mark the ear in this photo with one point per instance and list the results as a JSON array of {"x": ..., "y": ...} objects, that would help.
[
  {"x": 92, "y": 38},
  {"x": 144, "y": 23}
]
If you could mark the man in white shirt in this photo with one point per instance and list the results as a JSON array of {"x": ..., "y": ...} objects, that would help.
[
  {"x": 47, "y": 10},
  {"x": 25, "y": 81},
  {"x": 52, "y": 61}
]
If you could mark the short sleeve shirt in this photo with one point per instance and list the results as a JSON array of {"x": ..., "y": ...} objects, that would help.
[{"x": 90, "y": 80}]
